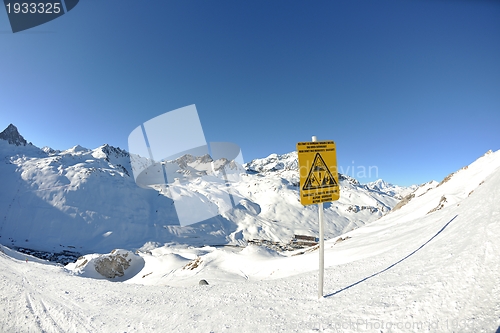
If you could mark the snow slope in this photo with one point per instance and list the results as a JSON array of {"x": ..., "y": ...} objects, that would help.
[
  {"x": 414, "y": 270},
  {"x": 86, "y": 201}
]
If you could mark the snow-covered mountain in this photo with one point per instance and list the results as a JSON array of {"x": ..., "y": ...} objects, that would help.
[
  {"x": 12, "y": 136},
  {"x": 86, "y": 200},
  {"x": 430, "y": 265},
  {"x": 399, "y": 192}
]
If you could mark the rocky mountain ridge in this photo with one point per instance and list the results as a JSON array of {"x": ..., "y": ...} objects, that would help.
[
  {"x": 12, "y": 136},
  {"x": 85, "y": 200}
]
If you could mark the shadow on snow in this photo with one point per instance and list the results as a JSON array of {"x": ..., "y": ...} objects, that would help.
[{"x": 391, "y": 266}]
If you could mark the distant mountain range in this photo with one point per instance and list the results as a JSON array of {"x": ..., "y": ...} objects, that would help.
[{"x": 86, "y": 200}]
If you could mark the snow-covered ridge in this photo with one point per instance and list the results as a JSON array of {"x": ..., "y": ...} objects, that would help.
[
  {"x": 396, "y": 191},
  {"x": 287, "y": 162},
  {"x": 274, "y": 162},
  {"x": 452, "y": 190},
  {"x": 86, "y": 200}
]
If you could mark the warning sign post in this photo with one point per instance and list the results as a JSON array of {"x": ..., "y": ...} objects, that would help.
[{"x": 319, "y": 182}]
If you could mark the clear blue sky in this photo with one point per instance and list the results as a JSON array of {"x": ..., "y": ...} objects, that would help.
[{"x": 411, "y": 87}]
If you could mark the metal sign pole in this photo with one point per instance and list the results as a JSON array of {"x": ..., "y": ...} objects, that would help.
[{"x": 321, "y": 245}]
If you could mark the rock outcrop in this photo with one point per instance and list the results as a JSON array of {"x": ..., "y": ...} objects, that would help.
[{"x": 12, "y": 136}]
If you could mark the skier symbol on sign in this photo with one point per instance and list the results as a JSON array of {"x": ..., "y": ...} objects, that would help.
[{"x": 319, "y": 175}]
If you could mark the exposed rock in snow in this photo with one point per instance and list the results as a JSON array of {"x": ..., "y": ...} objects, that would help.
[
  {"x": 113, "y": 265},
  {"x": 12, "y": 136},
  {"x": 119, "y": 265},
  {"x": 440, "y": 205},
  {"x": 404, "y": 201}
]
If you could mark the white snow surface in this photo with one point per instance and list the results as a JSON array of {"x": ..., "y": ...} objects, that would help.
[{"x": 431, "y": 266}]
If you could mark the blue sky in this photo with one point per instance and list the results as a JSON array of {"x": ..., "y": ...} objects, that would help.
[{"x": 409, "y": 87}]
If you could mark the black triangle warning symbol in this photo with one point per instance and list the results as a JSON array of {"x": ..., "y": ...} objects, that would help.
[{"x": 319, "y": 175}]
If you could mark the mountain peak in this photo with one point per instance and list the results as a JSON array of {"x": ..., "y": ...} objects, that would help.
[
  {"x": 11, "y": 135},
  {"x": 106, "y": 151}
]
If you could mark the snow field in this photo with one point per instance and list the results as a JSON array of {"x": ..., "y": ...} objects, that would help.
[{"x": 435, "y": 273}]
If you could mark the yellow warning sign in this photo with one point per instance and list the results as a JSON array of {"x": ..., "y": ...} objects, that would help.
[
  {"x": 319, "y": 181},
  {"x": 319, "y": 175}
]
